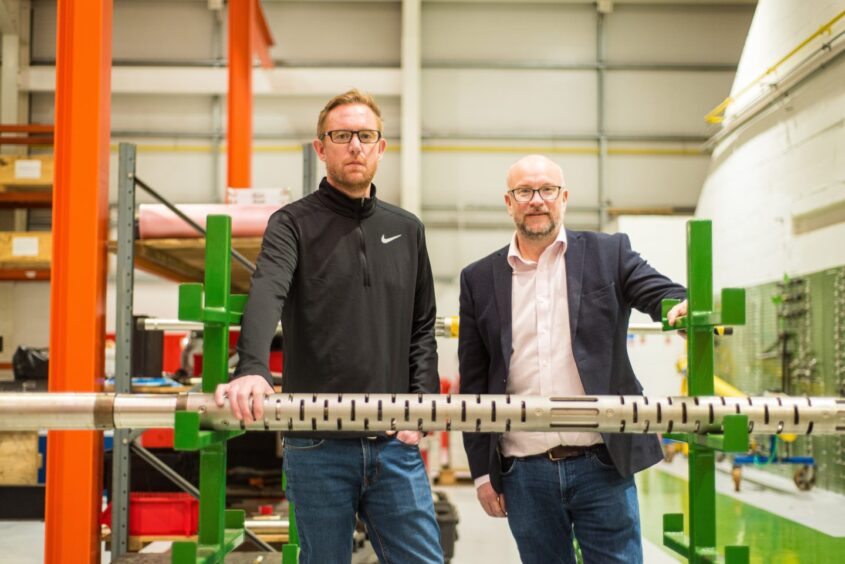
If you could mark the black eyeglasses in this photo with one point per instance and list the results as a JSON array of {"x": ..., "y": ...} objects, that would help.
[
  {"x": 344, "y": 136},
  {"x": 524, "y": 194}
]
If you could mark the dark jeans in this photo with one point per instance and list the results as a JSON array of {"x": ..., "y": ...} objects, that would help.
[
  {"x": 383, "y": 481},
  {"x": 547, "y": 502}
]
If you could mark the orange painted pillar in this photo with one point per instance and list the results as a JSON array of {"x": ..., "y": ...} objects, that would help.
[
  {"x": 78, "y": 288},
  {"x": 242, "y": 14}
]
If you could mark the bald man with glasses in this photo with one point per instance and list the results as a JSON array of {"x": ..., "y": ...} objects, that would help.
[{"x": 548, "y": 315}]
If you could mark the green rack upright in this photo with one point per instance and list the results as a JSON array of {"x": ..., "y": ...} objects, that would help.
[{"x": 700, "y": 545}]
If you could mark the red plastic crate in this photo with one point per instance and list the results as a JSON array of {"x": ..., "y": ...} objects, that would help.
[
  {"x": 157, "y": 438},
  {"x": 172, "y": 514},
  {"x": 275, "y": 362},
  {"x": 172, "y": 354}
]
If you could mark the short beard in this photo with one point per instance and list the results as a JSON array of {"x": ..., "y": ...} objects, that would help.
[
  {"x": 537, "y": 235},
  {"x": 352, "y": 187}
]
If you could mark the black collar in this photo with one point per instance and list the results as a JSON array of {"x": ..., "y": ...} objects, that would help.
[{"x": 340, "y": 203}]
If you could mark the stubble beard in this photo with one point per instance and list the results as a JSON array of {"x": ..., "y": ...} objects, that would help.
[
  {"x": 537, "y": 235},
  {"x": 347, "y": 184}
]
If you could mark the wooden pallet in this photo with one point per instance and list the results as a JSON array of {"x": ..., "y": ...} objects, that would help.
[
  {"x": 183, "y": 260},
  {"x": 137, "y": 542}
]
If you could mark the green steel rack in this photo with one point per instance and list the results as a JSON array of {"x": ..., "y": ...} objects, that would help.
[
  {"x": 700, "y": 545},
  {"x": 220, "y": 530}
]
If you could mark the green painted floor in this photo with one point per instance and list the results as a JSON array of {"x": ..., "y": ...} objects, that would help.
[{"x": 771, "y": 538}]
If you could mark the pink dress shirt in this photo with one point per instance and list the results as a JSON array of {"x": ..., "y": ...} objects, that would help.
[{"x": 542, "y": 362}]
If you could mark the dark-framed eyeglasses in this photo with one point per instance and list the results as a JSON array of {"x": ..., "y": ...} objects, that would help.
[
  {"x": 524, "y": 194},
  {"x": 344, "y": 136}
]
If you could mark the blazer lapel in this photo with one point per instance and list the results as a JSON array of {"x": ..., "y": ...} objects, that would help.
[
  {"x": 502, "y": 285},
  {"x": 574, "y": 259}
]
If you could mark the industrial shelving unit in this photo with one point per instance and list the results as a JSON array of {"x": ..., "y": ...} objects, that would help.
[{"x": 125, "y": 440}]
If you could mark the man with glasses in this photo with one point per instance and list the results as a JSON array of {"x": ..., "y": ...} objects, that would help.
[
  {"x": 548, "y": 315},
  {"x": 350, "y": 279}
]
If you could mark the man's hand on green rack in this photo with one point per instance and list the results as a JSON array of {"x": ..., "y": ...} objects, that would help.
[
  {"x": 246, "y": 395},
  {"x": 676, "y": 313}
]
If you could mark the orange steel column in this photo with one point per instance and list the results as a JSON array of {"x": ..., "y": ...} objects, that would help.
[
  {"x": 78, "y": 288},
  {"x": 262, "y": 38},
  {"x": 239, "y": 127}
]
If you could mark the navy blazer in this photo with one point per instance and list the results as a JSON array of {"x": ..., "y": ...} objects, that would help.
[{"x": 605, "y": 279}]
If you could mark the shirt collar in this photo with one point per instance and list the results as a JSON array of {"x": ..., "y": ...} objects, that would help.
[
  {"x": 515, "y": 258},
  {"x": 343, "y": 204}
]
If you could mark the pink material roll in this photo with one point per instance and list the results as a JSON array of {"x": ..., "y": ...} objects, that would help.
[{"x": 155, "y": 221}]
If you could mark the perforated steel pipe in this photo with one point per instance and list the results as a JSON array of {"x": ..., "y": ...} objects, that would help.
[{"x": 383, "y": 412}]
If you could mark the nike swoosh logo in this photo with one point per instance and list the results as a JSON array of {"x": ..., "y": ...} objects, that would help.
[{"x": 387, "y": 240}]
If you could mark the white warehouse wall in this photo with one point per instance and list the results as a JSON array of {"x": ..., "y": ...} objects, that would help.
[
  {"x": 789, "y": 160},
  {"x": 661, "y": 241},
  {"x": 525, "y": 73}
]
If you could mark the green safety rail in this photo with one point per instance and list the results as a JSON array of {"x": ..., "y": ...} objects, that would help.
[
  {"x": 700, "y": 545},
  {"x": 220, "y": 530}
]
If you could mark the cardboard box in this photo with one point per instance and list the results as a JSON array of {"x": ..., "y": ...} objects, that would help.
[
  {"x": 26, "y": 172},
  {"x": 25, "y": 249},
  {"x": 19, "y": 457}
]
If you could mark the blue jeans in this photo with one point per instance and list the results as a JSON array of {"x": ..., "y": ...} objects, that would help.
[
  {"x": 547, "y": 502},
  {"x": 382, "y": 480}
]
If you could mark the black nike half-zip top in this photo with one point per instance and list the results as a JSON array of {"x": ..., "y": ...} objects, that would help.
[{"x": 351, "y": 281}]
